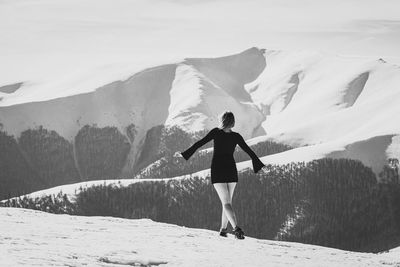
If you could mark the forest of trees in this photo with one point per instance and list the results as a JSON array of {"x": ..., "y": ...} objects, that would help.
[
  {"x": 343, "y": 206},
  {"x": 41, "y": 158},
  {"x": 330, "y": 202},
  {"x": 17, "y": 176},
  {"x": 101, "y": 152},
  {"x": 50, "y": 155}
]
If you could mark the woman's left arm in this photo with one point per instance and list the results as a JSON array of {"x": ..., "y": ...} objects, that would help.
[{"x": 257, "y": 164}]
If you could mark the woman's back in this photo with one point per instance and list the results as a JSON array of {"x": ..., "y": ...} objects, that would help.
[{"x": 224, "y": 142}]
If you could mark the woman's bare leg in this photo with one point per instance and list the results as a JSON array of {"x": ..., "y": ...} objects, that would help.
[
  {"x": 225, "y": 197},
  {"x": 224, "y": 219}
]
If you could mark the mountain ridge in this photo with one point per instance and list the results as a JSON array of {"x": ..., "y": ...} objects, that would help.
[{"x": 323, "y": 102}]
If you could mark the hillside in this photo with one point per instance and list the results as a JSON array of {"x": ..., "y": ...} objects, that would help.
[
  {"x": 322, "y": 105},
  {"x": 38, "y": 238},
  {"x": 334, "y": 203}
]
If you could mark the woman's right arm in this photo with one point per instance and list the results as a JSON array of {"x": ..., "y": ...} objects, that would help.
[{"x": 189, "y": 152}]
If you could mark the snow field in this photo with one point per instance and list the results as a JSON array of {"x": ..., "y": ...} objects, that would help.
[{"x": 36, "y": 238}]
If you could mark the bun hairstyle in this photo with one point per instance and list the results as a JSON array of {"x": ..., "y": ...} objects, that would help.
[{"x": 227, "y": 119}]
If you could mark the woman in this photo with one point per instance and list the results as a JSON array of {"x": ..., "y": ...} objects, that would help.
[{"x": 223, "y": 167}]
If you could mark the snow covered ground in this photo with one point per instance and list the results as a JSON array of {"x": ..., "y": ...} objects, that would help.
[
  {"x": 71, "y": 190},
  {"x": 33, "y": 238}
]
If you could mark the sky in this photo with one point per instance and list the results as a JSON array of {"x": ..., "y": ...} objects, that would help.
[{"x": 46, "y": 42}]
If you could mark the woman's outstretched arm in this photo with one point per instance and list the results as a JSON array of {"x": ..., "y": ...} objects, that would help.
[
  {"x": 189, "y": 152},
  {"x": 257, "y": 164}
]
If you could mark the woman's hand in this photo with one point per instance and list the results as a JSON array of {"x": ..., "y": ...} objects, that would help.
[
  {"x": 178, "y": 154},
  {"x": 265, "y": 169}
]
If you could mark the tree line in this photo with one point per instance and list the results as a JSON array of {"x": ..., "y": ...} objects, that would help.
[{"x": 331, "y": 202}]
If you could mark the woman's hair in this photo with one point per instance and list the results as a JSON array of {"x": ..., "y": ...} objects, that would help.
[{"x": 227, "y": 119}]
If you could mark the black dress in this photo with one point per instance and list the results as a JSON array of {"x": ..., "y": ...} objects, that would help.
[{"x": 223, "y": 166}]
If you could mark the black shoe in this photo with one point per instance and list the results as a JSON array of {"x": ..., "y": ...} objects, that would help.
[
  {"x": 223, "y": 232},
  {"x": 239, "y": 234}
]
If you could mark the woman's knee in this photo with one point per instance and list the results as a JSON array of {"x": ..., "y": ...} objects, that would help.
[{"x": 227, "y": 205}]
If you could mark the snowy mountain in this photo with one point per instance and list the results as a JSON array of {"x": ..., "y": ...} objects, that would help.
[
  {"x": 38, "y": 238},
  {"x": 323, "y": 105}
]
